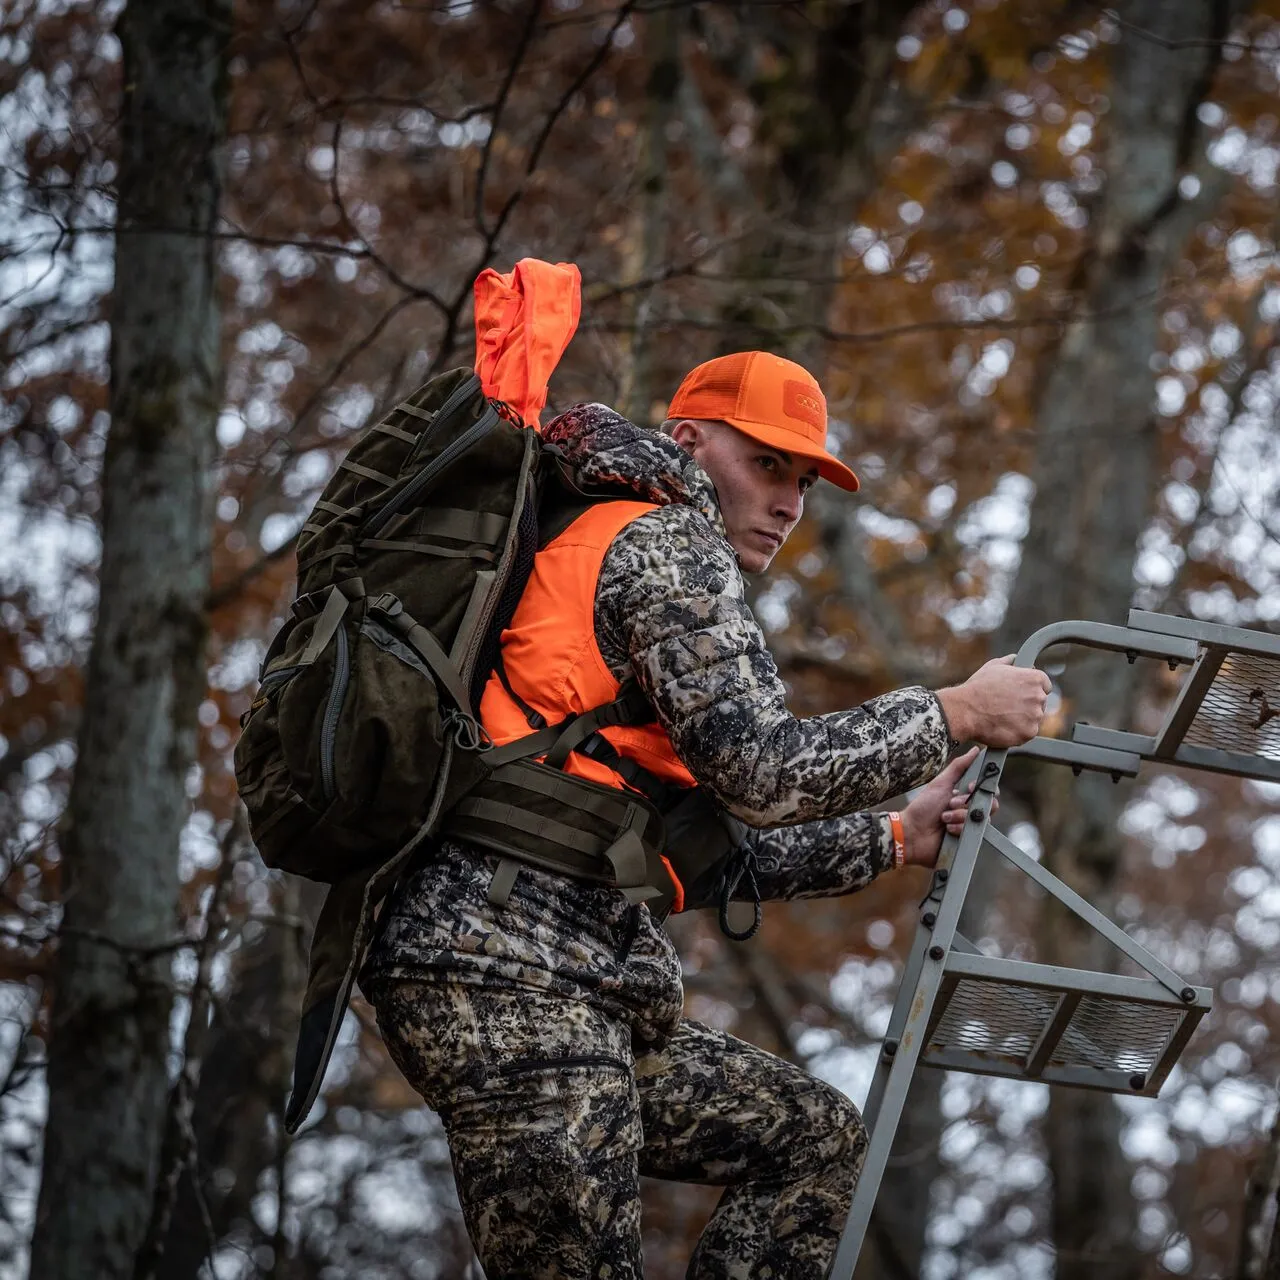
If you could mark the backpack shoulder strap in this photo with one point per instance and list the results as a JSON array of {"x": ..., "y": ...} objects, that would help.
[{"x": 563, "y": 499}]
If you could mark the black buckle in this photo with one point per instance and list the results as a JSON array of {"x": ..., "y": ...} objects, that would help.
[{"x": 386, "y": 603}]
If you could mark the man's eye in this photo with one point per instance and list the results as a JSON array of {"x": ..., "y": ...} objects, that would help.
[{"x": 769, "y": 464}]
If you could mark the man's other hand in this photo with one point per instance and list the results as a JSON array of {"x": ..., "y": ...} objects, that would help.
[
  {"x": 1000, "y": 705},
  {"x": 936, "y": 809}
]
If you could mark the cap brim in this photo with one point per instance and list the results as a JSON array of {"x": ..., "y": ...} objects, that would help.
[{"x": 829, "y": 466}]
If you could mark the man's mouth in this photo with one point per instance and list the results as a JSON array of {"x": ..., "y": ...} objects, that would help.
[{"x": 775, "y": 538}]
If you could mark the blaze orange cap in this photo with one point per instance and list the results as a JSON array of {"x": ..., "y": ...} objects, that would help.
[{"x": 772, "y": 400}]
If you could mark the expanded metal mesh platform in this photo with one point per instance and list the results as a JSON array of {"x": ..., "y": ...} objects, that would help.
[
  {"x": 965, "y": 1011},
  {"x": 1241, "y": 708},
  {"x": 1226, "y": 715},
  {"x": 1061, "y": 1026}
]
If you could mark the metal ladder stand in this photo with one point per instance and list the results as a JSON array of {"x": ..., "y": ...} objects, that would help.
[{"x": 960, "y": 1009}]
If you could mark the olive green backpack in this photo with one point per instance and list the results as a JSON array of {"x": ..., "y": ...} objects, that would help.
[
  {"x": 410, "y": 564},
  {"x": 363, "y": 741}
]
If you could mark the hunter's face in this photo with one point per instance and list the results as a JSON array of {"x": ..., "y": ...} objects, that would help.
[{"x": 761, "y": 490}]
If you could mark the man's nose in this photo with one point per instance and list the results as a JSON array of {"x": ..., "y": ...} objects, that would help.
[{"x": 789, "y": 502}]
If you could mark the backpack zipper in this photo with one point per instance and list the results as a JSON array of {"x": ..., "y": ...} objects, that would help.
[
  {"x": 329, "y": 726},
  {"x": 279, "y": 674},
  {"x": 463, "y": 392},
  {"x": 379, "y": 517},
  {"x": 466, "y": 665}
]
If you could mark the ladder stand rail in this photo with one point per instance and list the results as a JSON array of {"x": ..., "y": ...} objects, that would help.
[
  {"x": 1088, "y": 912},
  {"x": 960, "y": 1009},
  {"x": 910, "y": 1016}
]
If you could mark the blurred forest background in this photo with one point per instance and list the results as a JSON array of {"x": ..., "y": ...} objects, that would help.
[{"x": 1029, "y": 246}]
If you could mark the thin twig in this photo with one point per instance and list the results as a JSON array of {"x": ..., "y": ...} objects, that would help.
[
  {"x": 522, "y": 47},
  {"x": 180, "y": 1148},
  {"x": 828, "y": 334},
  {"x": 448, "y": 339},
  {"x": 1247, "y": 46}
]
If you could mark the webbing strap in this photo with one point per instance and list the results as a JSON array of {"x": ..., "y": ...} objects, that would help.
[
  {"x": 428, "y": 647},
  {"x": 503, "y": 881},
  {"x": 413, "y": 410},
  {"x": 566, "y": 790},
  {"x": 291, "y": 802},
  {"x": 466, "y": 526},
  {"x": 323, "y": 504},
  {"x": 368, "y": 472},
  {"x": 558, "y": 740},
  {"x": 342, "y": 549},
  {"x": 533, "y": 744},
  {"x": 431, "y": 549},
  {"x": 629, "y": 707},
  {"x": 486, "y": 527},
  {"x": 626, "y": 854},
  {"x": 575, "y": 733},
  {"x": 535, "y": 719},
  {"x": 334, "y": 609},
  {"x": 449, "y": 675},
  {"x": 533, "y": 824},
  {"x": 400, "y": 433}
]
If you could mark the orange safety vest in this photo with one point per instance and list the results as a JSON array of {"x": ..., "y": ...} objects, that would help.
[{"x": 553, "y": 662}]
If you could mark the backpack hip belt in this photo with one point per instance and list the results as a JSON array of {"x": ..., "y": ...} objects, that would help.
[{"x": 669, "y": 846}]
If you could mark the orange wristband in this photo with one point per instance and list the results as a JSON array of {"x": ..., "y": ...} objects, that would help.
[{"x": 899, "y": 840}]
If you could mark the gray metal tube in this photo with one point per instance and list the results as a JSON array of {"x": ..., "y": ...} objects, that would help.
[{"x": 1102, "y": 635}]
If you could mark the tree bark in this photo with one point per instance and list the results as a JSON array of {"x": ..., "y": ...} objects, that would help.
[
  {"x": 110, "y": 1028},
  {"x": 649, "y": 233},
  {"x": 827, "y": 118}
]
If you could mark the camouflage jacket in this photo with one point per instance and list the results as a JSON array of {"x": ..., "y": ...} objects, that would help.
[{"x": 671, "y": 608}]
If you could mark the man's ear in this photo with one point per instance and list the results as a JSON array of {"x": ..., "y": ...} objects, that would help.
[{"x": 687, "y": 434}]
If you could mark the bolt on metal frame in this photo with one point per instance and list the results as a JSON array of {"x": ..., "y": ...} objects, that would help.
[{"x": 960, "y": 1009}]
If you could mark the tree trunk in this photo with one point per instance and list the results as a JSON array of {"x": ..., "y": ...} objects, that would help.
[
  {"x": 1096, "y": 477},
  {"x": 110, "y": 1030},
  {"x": 827, "y": 118},
  {"x": 649, "y": 234}
]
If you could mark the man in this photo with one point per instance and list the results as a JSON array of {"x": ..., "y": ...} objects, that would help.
[{"x": 548, "y": 1031}]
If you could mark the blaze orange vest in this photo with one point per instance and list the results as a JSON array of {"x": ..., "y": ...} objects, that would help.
[{"x": 553, "y": 662}]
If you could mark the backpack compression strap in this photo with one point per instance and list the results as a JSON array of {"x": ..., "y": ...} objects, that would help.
[{"x": 536, "y": 813}]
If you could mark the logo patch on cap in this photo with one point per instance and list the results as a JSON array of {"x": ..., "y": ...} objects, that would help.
[{"x": 799, "y": 400}]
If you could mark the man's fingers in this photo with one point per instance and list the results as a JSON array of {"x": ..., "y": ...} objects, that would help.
[{"x": 960, "y": 763}]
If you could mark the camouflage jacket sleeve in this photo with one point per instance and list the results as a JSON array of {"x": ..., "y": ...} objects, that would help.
[
  {"x": 670, "y": 607},
  {"x": 822, "y": 859}
]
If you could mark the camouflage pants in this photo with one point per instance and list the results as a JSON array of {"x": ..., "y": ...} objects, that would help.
[{"x": 552, "y": 1118}]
